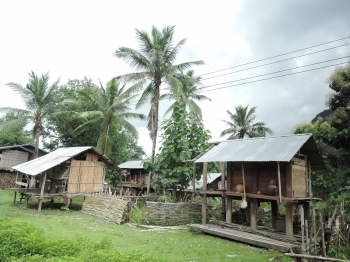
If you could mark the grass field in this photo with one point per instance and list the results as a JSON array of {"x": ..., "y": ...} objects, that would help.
[{"x": 169, "y": 246}]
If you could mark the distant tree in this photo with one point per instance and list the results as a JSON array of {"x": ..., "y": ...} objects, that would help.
[
  {"x": 187, "y": 94},
  {"x": 155, "y": 63},
  {"x": 15, "y": 136},
  {"x": 242, "y": 124},
  {"x": 39, "y": 98},
  {"x": 183, "y": 139}
]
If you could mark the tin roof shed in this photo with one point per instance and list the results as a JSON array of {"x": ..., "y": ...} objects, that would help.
[
  {"x": 265, "y": 149},
  {"x": 132, "y": 165}
]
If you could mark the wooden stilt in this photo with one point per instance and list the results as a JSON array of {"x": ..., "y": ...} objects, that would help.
[
  {"x": 289, "y": 220},
  {"x": 229, "y": 210},
  {"x": 204, "y": 196},
  {"x": 274, "y": 213},
  {"x": 279, "y": 181},
  {"x": 194, "y": 181},
  {"x": 14, "y": 196},
  {"x": 42, "y": 192},
  {"x": 253, "y": 213},
  {"x": 149, "y": 182},
  {"x": 51, "y": 203}
]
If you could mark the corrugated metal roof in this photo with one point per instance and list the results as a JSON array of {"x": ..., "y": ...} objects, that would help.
[
  {"x": 132, "y": 165},
  {"x": 38, "y": 165},
  {"x": 210, "y": 178},
  {"x": 264, "y": 149},
  {"x": 23, "y": 148}
]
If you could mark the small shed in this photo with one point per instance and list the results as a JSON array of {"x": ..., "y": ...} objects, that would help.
[
  {"x": 257, "y": 165},
  {"x": 64, "y": 173},
  {"x": 11, "y": 156},
  {"x": 133, "y": 176}
]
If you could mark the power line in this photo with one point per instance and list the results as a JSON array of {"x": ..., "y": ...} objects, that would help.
[
  {"x": 276, "y": 56},
  {"x": 271, "y": 77},
  {"x": 275, "y": 62},
  {"x": 273, "y": 72}
]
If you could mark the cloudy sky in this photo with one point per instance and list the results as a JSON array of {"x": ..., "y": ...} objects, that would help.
[{"x": 72, "y": 39}]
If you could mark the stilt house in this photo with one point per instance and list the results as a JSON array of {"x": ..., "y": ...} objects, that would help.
[
  {"x": 11, "y": 156},
  {"x": 133, "y": 177},
  {"x": 65, "y": 173},
  {"x": 268, "y": 169}
]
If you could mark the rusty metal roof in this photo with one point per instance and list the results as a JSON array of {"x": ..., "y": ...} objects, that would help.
[
  {"x": 132, "y": 165},
  {"x": 41, "y": 164},
  {"x": 264, "y": 149}
]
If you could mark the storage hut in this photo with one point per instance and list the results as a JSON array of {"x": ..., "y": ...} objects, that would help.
[
  {"x": 133, "y": 177},
  {"x": 267, "y": 169},
  {"x": 65, "y": 173},
  {"x": 11, "y": 156}
]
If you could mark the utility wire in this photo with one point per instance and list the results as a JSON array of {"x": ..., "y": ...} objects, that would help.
[
  {"x": 274, "y": 62},
  {"x": 272, "y": 77},
  {"x": 276, "y": 56},
  {"x": 273, "y": 72}
]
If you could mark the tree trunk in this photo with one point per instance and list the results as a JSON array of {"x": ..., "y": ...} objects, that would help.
[
  {"x": 155, "y": 124},
  {"x": 37, "y": 137}
]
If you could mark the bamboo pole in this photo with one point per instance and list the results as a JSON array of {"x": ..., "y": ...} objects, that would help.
[
  {"x": 322, "y": 236},
  {"x": 315, "y": 257},
  {"x": 314, "y": 228},
  {"x": 307, "y": 236},
  {"x": 42, "y": 193},
  {"x": 279, "y": 181},
  {"x": 194, "y": 181}
]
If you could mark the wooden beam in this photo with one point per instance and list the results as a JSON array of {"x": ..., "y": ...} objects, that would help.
[
  {"x": 149, "y": 182},
  {"x": 223, "y": 178},
  {"x": 310, "y": 175},
  {"x": 42, "y": 192},
  {"x": 255, "y": 178},
  {"x": 229, "y": 176},
  {"x": 279, "y": 181},
  {"x": 204, "y": 209}
]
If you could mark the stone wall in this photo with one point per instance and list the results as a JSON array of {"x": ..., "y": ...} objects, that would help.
[{"x": 172, "y": 214}]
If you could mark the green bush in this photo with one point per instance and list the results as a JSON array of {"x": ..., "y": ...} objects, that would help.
[{"x": 24, "y": 242}]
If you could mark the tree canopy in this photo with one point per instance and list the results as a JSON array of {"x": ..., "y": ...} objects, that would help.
[
  {"x": 15, "y": 136},
  {"x": 155, "y": 65}
]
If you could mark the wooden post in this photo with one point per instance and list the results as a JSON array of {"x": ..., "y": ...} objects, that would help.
[
  {"x": 322, "y": 236},
  {"x": 302, "y": 230},
  {"x": 229, "y": 176},
  {"x": 42, "y": 192},
  {"x": 14, "y": 197},
  {"x": 194, "y": 181},
  {"x": 279, "y": 181},
  {"x": 314, "y": 229},
  {"x": 229, "y": 210},
  {"x": 289, "y": 192},
  {"x": 223, "y": 206},
  {"x": 307, "y": 237},
  {"x": 309, "y": 174},
  {"x": 51, "y": 203},
  {"x": 204, "y": 196},
  {"x": 149, "y": 182},
  {"x": 253, "y": 213},
  {"x": 289, "y": 220},
  {"x": 274, "y": 213}
]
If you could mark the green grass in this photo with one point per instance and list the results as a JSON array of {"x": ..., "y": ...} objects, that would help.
[{"x": 169, "y": 246}]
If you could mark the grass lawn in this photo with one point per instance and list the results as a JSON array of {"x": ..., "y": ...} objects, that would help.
[{"x": 170, "y": 246}]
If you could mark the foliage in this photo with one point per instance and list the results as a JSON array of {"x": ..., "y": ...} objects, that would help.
[
  {"x": 155, "y": 65},
  {"x": 183, "y": 139},
  {"x": 15, "y": 136},
  {"x": 242, "y": 124},
  {"x": 187, "y": 94},
  {"x": 40, "y": 103},
  {"x": 165, "y": 198},
  {"x": 324, "y": 181}
]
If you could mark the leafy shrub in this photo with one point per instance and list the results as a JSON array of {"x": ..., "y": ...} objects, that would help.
[{"x": 24, "y": 242}]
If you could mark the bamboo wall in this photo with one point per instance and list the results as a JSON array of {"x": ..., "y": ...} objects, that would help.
[{"x": 86, "y": 176}]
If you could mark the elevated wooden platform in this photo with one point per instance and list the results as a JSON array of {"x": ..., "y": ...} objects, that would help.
[{"x": 243, "y": 237}]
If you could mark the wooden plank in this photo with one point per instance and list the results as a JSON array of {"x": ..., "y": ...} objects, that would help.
[
  {"x": 205, "y": 175},
  {"x": 289, "y": 190},
  {"x": 210, "y": 192},
  {"x": 279, "y": 181},
  {"x": 243, "y": 237},
  {"x": 229, "y": 210},
  {"x": 274, "y": 213},
  {"x": 289, "y": 220},
  {"x": 41, "y": 192},
  {"x": 204, "y": 209},
  {"x": 229, "y": 177},
  {"x": 253, "y": 213}
]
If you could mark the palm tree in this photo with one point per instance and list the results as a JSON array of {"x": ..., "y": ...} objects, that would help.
[
  {"x": 39, "y": 99},
  {"x": 188, "y": 93},
  {"x": 154, "y": 63},
  {"x": 243, "y": 125},
  {"x": 111, "y": 107}
]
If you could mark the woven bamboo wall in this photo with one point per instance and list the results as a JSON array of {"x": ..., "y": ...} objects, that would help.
[
  {"x": 108, "y": 208},
  {"x": 85, "y": 176},
  {"x": 172, "y": 214}
]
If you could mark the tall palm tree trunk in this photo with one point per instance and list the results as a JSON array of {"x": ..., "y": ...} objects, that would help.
[
  {"x": 155, "y": 124},
  {"x": 37, "y": 137}
]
